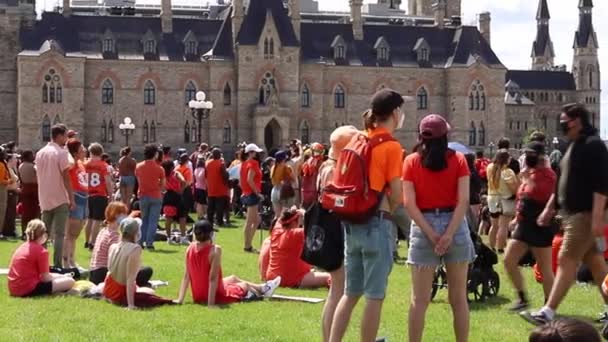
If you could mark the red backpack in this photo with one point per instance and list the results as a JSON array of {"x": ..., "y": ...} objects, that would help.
[{"x": 348, "y": 193}]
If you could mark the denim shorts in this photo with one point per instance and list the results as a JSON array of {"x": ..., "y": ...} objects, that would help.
[
  {"x": 421, "y": 251},
  {"x": 80, "y": 206},
  {"x": 250, "y": 200},
  {"x": 127, "y": 180},
  {"x": 368, "y": 252}
]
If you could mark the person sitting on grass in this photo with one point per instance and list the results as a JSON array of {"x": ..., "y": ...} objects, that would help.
[
  {"x": 286, "y": 244},
  {"x": 115, "y": 213},
  {"x": 204, "y": 273},
  {"x": 565, "y": 330},
  {"x": 28, "y": 274},
  {"x": 124, "y": 263}
]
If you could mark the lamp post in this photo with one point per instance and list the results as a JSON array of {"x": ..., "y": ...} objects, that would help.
[
  {"x": 127, "y": 127},
  {"x": 555, "y": 143},
  {"x": 200, "y": 111},
  {"x": 491, "y": 146}
]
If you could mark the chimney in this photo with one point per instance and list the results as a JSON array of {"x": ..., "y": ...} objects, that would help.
[
  {"x": 439, "y": 8},
  {"x": 166, "y": 16},
  {"x": 67, "y": 10},
  {"x": 485, "y": 20},
  {"x": 237, "y": 18},
  {"x": 356, "y": 18},
  {"x": 294, "y": 13}
]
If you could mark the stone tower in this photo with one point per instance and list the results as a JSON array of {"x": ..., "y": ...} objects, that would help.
[
  {"x": 585, "y": 64},
  {"x": 542, "y": 48},
  {"x": 14, "y": 16},
  {"x": 424, "y": 8}
]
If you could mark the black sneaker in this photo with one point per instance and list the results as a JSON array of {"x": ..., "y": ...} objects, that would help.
[
  {"x": 251, "y": 250},
  {"x": 603, "y": 318},
  {"x": 519, "y": 306},
  {"x": 536, "y": 318}
]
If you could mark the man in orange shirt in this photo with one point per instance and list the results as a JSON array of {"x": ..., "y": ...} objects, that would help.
[
  {"x": 217, "y": 188},
  {"x": 151, "y": 180},
  {"x": 100, "y": 189}
]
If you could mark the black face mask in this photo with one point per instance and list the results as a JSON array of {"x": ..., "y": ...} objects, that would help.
[
  {"x": 532, "y": 161},
  {"x": 565, "y": 127}
]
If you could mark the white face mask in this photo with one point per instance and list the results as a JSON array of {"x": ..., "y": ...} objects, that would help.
[{"x": 401, "y": 119}]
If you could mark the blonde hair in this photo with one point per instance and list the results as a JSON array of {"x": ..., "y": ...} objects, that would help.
[{"x": 35, "y": 229}]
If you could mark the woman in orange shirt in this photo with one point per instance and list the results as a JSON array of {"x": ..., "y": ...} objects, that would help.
[
  {"x": 286, "y": 244},
  {"x": 79, "y": 182},
  {"x": 281, "y": 174},
  {"x": 251, "y": 184}
]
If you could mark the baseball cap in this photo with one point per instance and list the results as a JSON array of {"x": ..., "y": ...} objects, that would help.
[
  {"x": 129, "y": 226},
  {"x": 203, "y": 226},
  {"x": 71, "y": 133},
  {"x": 253, "y": 148},
  {"x": 386, "y": 100},
  {"x": 535, "y": 147},
  {"x": 280, "y": 156},
  {"x": 434, "y": 126}
]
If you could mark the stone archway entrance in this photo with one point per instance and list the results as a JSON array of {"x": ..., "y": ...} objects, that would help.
[{"x": 272, "y": 135}]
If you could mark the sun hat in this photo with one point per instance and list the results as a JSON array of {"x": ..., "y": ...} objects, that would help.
[
  {"x": 253, "y": 148},
  {"x": 339, "y": 138}
]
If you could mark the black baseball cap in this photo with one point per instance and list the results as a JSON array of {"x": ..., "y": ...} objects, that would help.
[
  {"x": 385, "y": 101},
  {"x": 203, "y": 226},
  {"x": 535, "y": 147}
]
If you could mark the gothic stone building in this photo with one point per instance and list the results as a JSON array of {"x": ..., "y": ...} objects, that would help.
[{"x": 274, "y": 70}]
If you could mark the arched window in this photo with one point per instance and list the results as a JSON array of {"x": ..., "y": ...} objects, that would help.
[
  {"x": 544, "y": 121},
  {"x": 477, "y": 97},
  {"x": 472, "y": 134},
  {"x": 146, "y": 132},
  {"x": 227, "y": 135},
  {"x": 339, "y": 97},
  {"x": 305, "y": 132},
  {"x": 46, "y": 129},
  {"x": 482, "y": 134},
  {"x": 187, "y": 132},
  {"x": 104, "y": 131},
  {"x": 107, "y": 92},
  {"x": 305, "y": 99},
  {"x": 58, "y": 94},
  {"x": 57, "y": 120},
  {"x": 268, "y": 48},
  {"x": 190, "y": 92},
  {"x": 107, "y": 45},
  {"x": 149, "y": 93},
  {"x": 590, "y": 70},
  {"x": 267, "y": 86},
  {"x": 227, "y": 95},
  {"x": 52, "y": 92},
  {"x": 45, "y": 93},
  {"x": 111, "y": 132},
  {"x": 423, "y": 98},
  {"x": 153, "y": 132}
]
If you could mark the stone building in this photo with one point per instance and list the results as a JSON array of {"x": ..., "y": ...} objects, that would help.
[{"x": 274, "y": 69}]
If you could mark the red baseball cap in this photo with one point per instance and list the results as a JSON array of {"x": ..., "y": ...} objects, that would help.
[{"x": 434, "y": 126}]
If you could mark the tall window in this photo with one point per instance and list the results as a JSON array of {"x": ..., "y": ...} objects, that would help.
[
  {"x": 107, "y": 92},
  {"x": 422, "y": 97},
  {"x": 52, "y": 92},
  {"x": 191, "y": 48},
  {"x": 190, "y": 92},
  {"x": 149, "y": 93},
  {"x": 305, "y": 100},
  {"x": 383, "y": 54},
  {"x": 544, "y": 121},
  {"x": 339, "y": 97},
  {"x": 187, "y": 132},
  {"x": 107, "y": 45},
  {"x": 111, "y": 131},
  {"x": 153, "y": 132},
  {"x": 146, "y": 132},
  {"x": 305, "y": 133},
  {"x": 268, "y": 48},
  {"x": 424, "y": 55},
  {"x": 227, "y": 95},
  {"x": 227, "y": 135},
  {"x": 590, "y": 71},
  {"x": 477, "y": 97},
  {"x": 104, "y": 131},
  {"x": 150, "y": 46},
  {"x": 472, "y": 134},
  {"x": 340, "y": 52},
  {"x": 46, "y": 129},
  {"x": 482, "y": 134}
]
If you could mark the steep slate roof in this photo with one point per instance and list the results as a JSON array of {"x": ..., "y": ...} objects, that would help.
[
  {"x": 254, "y": 21},
  {"x": 83, "y": 33},
  {"x": 447, "y": 46},
  {"x": 543, "y": 10},
  {"x": 543, "y": 39},
  {"x": 585, "y": 29},
  {"x": 545, "y": 80}
]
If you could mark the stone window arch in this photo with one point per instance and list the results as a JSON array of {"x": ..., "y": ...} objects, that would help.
[
  {"x": 339, "y": 97},
  {"x": 104, "y": 131},
  {"x": 189, "y": 92},
  {"x": 472, "y": 134},
  {"x": 153, "y": 131},
  {"x": 227, "y": 134},
  {"x": 422, "y": 98},
  {"x": 305, "y": 132},
  {"x": 149, "y": 93},
  {"x": 52, "y": 92},
  {"x": 46, "y": 128},
  {"x": 56, "y": 120},
  {"x": 146, "y": 132},
  {"x": 305, "y": 98},
  {"x": 107, "y": 92},
  {"x": 227, "y": 95},
  {"x": 111, "y": 131},
  {"x": 477, "y": 96},
  {"x": 482, "y": 134}
]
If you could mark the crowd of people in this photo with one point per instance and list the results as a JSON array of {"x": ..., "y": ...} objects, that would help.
[{"x": 335, "y": 213}]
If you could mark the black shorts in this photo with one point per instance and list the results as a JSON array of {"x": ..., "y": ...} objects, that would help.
[
  {"x": 533, "y": 235},
  {"x": 200, "y": 196},
  {"x": 97, "y": 208},
  {"x": 42, "y": 289},
  {"x": 173, "y": 199}
]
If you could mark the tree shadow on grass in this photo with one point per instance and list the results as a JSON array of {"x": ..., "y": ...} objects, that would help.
[
  {"x": 488, "y": 304},
  {"x": 163, "y": 251}
]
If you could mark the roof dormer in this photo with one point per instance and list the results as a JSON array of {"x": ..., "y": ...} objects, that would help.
[
  {"x": 108, "y": 45},
  {"x": 423, "y": 52},
  {"x": 338, "y": 47},
  {"x": 383, "y": 50},
  {"x": 190, "y": 46},
  {"x": 149, "y": 44}
]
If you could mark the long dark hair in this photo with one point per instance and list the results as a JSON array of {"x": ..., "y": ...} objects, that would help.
[
  {"x": 434, "y": 153},
  {"x": 168, "y": 166}
]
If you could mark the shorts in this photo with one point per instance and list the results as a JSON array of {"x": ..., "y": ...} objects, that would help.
[
  {"x": 579, "y": 241},
  {"x": 97, "y": 208},
  {"x": 200, "y": 196},
  {"x": 173, "y": 199},
  {"x": 127, "y": 180},
  {"x": 500, "y": 206},
  {"x": 421, "y": 251},
  {"x": 80, "y": 206},
  {"x": 235, "y": 291},
  {"x": 368, "y": 257},
  {"x": 251, "y": 200},
  {"x": 275, "y": 197},
  {"x": 42, "y": 289},
  {"x": 533, "y": 235}
]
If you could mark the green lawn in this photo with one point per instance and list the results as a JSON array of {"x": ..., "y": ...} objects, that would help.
[{"x": 70, "y": 319}]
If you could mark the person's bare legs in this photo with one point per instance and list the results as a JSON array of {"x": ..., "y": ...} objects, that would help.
[
  {"x": 336, "y": 291},
  {"x": 422, "y": 281},
  {"x": 87, "y": 230},
  {"x": 503, "y": 231},
  {"x": 313, "y": 280},
  {"x": 126, "y": 192},
  {"x": 201, "y": 210},
  {"x": 493, "y": 231},
  {"x": 182, "y": 226},
  {"x": 168, "y": 227},
  {"x": 61, "y": 283},
  {"x": 251, "y": 224},
  {"x": 543, "y": 258},
  {"x": 94, "y": 231},
  {"x": 597, "y": 265},
  {"x": 69, "y": 242},
  {"x": 370, "y": 322},
  {"x": 457, "y": 295},
  {"x": 515, "y": 251},
  {"x": 564, "y": 278},
  {"x": 342, "y": 317}
]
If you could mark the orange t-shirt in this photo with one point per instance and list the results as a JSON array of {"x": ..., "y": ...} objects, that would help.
[
  {"x": 149, "y": 176},
  {"x": 186, "y": 172},
  {"x": 385, "y": 164},
  {"x": 435, "y": 190},
  {"x": 285, "y": 250},
  {"x": 254, "y": 166},
  {"x": 216, "y": 184},
  {"x": 97, "y": 170},
  {"x": 78, "y": 177}
]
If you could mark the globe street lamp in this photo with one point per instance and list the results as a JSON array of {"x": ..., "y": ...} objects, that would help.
[
  {"x": 491, "y": 146},
  {"x": 200, "y": 111},
  {"x": 127, "y": 127}
]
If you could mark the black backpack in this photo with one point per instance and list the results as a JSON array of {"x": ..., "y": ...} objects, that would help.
[{"x": 324, "y": 239}]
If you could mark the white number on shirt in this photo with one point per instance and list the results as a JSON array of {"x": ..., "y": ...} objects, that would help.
[{"x": 95, "y": 179}]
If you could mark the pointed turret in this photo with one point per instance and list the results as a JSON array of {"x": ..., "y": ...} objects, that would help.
[{"x": 542, "y": 48}]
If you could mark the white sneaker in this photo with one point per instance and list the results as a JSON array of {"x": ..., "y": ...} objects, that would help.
[
  {"x": 184, "y": 241},
  {"x": 271, "y": 286}
]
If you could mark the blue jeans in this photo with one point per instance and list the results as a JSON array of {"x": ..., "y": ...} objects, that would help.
[{"x": 150, "y": 213}]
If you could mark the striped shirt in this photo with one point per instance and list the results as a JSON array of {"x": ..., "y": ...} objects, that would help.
[{"x": 105, "y": 239}]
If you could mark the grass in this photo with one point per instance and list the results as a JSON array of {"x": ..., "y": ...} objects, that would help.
[{"x": 70, "y": 318}]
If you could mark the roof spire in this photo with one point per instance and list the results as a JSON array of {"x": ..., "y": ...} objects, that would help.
[
  {"x": 542, "y": 48},
  {"x": 543, "y": 10},
  {"x": 585, "y": 3}
]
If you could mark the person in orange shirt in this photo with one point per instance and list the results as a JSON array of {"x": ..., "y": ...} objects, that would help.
[
  {"x": 5, "y": 180},
  {"x": 281, "y": 175},
  {"x": 80, "y": 186},
  {"x": 251, "y": 184},
  {"x": 217, "y": 188},
  {"x": 369, "y": 246},
  {"x": 185, "y": 169},
  {"x": 100, "y": 188}
]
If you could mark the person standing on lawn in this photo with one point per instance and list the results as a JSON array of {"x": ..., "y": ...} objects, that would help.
[
  {"x": 29, "y": 190},
  {"x": 217, "y": 187},
  {"x": 151, "y": 180},
  {"x": 581, "y": 200},
  {"x": 55, "y": 189},
  {"x": 101, "y": 188},
  {"x": 251, "y": 185},
  {"x": 200, "y": 188},
  {"x": 126, "y": 172},
  {"x": 369, "y": 246},
  {"x": 80, "y": 186}
]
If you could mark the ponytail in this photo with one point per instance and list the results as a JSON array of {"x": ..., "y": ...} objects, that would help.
[
  {"x": 369, "y": 119},
  {"x": 35, "y": 229}
]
